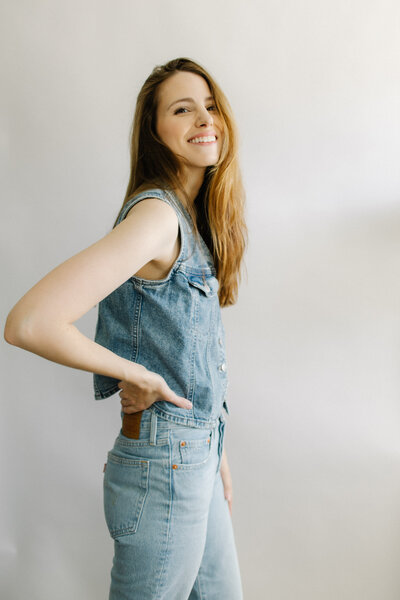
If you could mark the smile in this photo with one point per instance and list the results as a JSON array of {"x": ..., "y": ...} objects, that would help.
[{"x": 203, "y": 140}]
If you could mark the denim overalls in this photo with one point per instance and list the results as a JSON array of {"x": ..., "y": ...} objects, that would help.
[{"x": 163, "y": 494}]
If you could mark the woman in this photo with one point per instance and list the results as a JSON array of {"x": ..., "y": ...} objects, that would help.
[{"x": 160, "y": 277}]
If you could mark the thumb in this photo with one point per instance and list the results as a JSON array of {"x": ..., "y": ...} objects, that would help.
[
  {"x": 183, "y": 402},
  {"x": 179, "y": 401}
]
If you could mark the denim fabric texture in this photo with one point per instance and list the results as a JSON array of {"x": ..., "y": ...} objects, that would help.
[
  {"x": 172, "y": 326},
  {"x": 166, "y": 512}
]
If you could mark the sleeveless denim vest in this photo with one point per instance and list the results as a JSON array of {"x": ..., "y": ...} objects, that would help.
[{"x": 172, "y": 326}]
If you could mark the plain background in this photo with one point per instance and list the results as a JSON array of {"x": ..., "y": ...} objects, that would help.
[{"x": 313, "y": 437}]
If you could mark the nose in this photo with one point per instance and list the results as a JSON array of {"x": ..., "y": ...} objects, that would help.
[{"x": 204, "y": 118}]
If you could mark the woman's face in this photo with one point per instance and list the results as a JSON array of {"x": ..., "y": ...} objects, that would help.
[{"x": 186, "y": 112}]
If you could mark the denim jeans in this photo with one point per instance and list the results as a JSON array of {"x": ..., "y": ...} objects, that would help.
[{"x": 165, "y": 509}]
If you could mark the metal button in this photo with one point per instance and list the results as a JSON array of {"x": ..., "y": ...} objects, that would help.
[
  {"x": 222, "y": 367},
  {"x": 220, "y": 341}
]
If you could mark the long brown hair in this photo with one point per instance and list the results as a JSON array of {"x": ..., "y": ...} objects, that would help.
[{"x": 218, "y": 210}]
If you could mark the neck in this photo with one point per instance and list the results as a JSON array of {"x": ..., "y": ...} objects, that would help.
[{"x": 192, "y": 182}]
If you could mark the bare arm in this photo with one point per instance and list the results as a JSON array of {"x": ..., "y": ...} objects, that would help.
[{"x": 42, "y": 320}]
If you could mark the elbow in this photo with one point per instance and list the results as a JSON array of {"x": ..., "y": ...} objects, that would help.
[
  {"x": 15, "y": 332},
  {"x": 11, "y": 334}
]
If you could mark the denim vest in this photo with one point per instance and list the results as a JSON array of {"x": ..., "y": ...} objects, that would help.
[{"x": 172, "y": 326}]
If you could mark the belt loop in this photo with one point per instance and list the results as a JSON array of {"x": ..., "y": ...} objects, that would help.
[{"x": 153, "y": 428}]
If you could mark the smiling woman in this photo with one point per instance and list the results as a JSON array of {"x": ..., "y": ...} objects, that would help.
[
  {"x": 160, "y": 278},
  {"x": 177, "y": 121}
]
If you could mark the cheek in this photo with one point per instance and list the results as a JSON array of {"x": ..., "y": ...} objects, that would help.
[
  {"x": 171, "y": 136},
  {"x": 164, "y": 130}
]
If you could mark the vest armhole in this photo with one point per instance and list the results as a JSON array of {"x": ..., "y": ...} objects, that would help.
[{"x": 160, "y": 195}]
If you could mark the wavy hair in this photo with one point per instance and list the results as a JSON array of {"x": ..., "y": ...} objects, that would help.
[{"x": 218, "y": 210}]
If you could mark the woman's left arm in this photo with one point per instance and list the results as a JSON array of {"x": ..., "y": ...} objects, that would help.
[{"x": 226, "y": 479}]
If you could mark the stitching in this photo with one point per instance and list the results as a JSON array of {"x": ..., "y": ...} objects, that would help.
[
  {"x": 161, "y": 577},
  {"x": 202, "y": 596}
]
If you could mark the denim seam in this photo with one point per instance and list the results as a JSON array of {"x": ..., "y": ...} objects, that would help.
[
  {"x": 99, "y": 395},
  {"x": 132, "y": 462},
  {"x": 194, "y": 345},
  {"x": 135, "y": 328},
  {"x": 160, "y": 442},
  {"x": 202, "y": 596},
  {"x": 208, "y": 357},
  {"x": 192, "y": 270},
  {"x": 197, "y": 422},
  {"x": 161, "y": 577}
]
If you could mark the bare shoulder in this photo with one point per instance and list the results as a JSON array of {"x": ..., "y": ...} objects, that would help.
[
  {"x": 159, "y": 219},
  {"x": 156, "y": 209}
]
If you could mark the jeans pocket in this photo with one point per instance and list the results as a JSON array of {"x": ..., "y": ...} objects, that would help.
[
  {"x": 125, "y": 487},
  {"x": 194, "y": 453}
]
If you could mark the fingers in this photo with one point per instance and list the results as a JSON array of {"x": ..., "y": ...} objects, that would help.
[
  {"x": 184, "y": 403},
  {"x": 142, "y": 399},
  {"x": 129, "y": 406},
  {"x": 129, "y": 410},
  {"x": 178, "y": 400}
]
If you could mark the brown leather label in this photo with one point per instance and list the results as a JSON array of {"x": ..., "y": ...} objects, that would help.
[{"x": 131, "y": 424}]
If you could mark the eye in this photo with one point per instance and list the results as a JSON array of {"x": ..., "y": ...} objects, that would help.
[
  {"x": 179, "y": 109},
  {"x": 213, "y": 107}
]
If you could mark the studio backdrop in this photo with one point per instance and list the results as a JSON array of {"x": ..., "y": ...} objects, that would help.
[{"x": 313, "y": 343}]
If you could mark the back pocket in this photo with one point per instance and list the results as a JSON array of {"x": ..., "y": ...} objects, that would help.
[{"x": 125, "y": 487}]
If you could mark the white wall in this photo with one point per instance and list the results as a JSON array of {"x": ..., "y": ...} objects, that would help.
[{"x": 313, "y": 343}]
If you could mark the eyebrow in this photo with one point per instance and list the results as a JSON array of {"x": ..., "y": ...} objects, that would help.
[{"x": 188, "y": 100}]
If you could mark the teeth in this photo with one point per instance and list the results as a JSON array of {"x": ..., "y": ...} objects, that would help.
[{"x": 198, "y": 140}]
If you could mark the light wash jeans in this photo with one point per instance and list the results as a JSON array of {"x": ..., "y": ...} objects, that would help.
[{"x": 165, "y": 509}]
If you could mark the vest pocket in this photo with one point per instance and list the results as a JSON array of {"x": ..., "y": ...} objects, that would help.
[
  {"x": 208, "y": 286},
  {"x": 125, "y": 487}
]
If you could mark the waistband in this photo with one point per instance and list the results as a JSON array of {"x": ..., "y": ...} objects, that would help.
[{"x": 150, "y": 420}]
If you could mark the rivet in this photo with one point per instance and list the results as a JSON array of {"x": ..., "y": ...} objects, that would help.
[
  {"x": 183, "y": 443},
  {"x": 208, "y": 440},
  {"x": 174, "y": 466}
]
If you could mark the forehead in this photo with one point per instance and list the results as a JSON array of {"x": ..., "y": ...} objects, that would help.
[{"x": 180, "y": 85}]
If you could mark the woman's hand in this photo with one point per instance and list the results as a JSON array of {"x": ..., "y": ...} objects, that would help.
[
  {"x": 147, "y": 388},
  {"x": 226, "y": 479}
]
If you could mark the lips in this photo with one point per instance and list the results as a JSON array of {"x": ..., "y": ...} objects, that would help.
[{"x": 203, "y": 135}]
